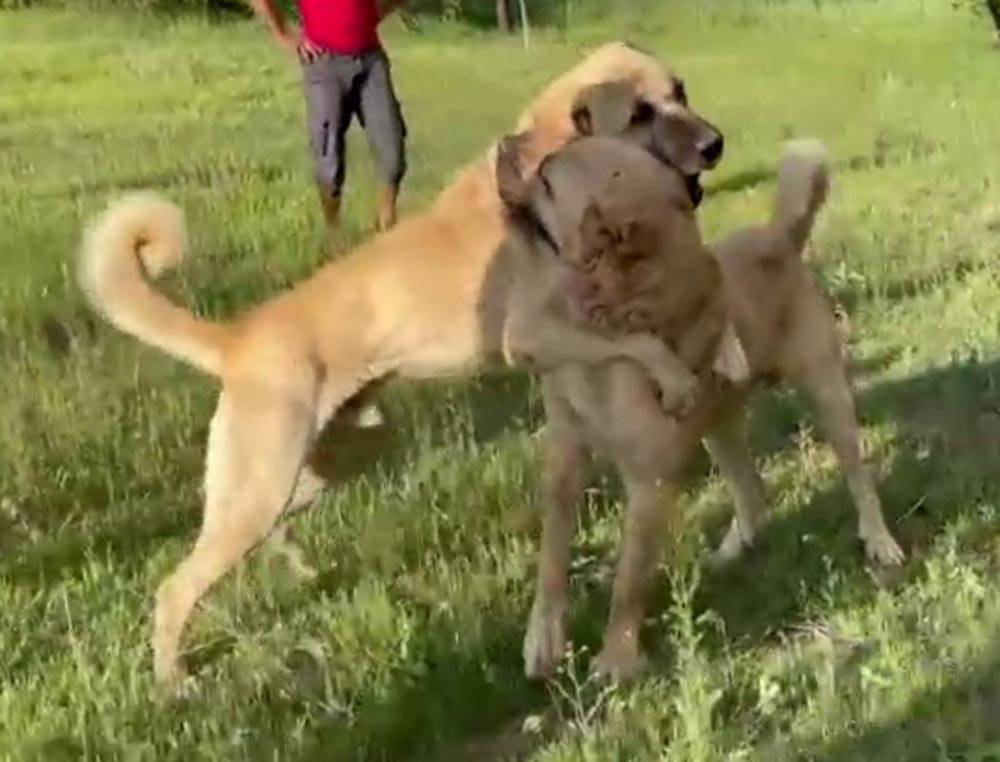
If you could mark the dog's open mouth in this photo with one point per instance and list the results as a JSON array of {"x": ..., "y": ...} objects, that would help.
[
  {"x": 694, "y": 189},
  {"x": 692, "y": 183}
]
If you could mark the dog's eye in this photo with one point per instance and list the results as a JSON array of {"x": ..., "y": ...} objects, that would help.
[
  {"x": 643, "y": 113},
  {"x": 680, "y": 92}
]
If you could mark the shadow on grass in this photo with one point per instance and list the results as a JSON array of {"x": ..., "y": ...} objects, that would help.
[
  {"x": 799, "y": 557},
  {"x": 497, "y": 406},
  {"x": 928, "y": 730},
  {"x": 453, "y": 700},
  {"x": 459, "y": 694},
  {"x": 948, "y": 455},
  {"x": 467, "y": 703}
]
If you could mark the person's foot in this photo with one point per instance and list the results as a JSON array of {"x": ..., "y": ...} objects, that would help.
[
  {"x": 331, "y": 216},
  {"x": 387, "y": 207}
]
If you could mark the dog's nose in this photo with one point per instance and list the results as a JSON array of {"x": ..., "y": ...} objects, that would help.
[{"x": 711, "y": 150}]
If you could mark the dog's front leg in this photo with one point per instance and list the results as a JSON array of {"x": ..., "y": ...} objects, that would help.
[
  {"x": 544, "y": 343},
  {"x": 562, "y": 484},
  {"x": 650, "y": 503}
]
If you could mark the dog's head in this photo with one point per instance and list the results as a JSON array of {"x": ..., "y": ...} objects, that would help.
[
  {"x": 666, "y": 127},
  {"x": 623, "y": 221},
  {"x": 553, "y": 207},
  {"x": 619, "y": 90}
]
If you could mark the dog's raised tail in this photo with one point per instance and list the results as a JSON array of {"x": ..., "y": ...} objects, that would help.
[
  {"x": 803, "y": 182},
  {"x": 133, "y": 241}
]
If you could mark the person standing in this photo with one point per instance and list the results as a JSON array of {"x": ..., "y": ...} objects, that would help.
[{"x": 346, "y": 73}]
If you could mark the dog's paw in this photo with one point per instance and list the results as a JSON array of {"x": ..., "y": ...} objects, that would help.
[
  {"x": 369, "y": 416},
  {"x": 732, "y": 547},
  {"x": 620, "y": 659},
  {"x": 882, "y": 548},
  {"x": 678, "y": 393},
  {"x": 175, "y": 684},
  {"x": 280, "y": 546},
  {"x": 544, "y": 641}
]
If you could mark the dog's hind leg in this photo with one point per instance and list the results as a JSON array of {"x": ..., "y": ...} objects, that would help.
[
  {"x": 825, "y": 380},
  {"x": 310, "y": 483},
  {"x": 728, "y": 446},
  {"x": 307, "y": 488},
  {"x": 257, "y": 444},
  {"x": 562, "y": 485}
]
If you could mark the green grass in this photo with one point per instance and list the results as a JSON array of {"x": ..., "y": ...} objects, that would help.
[{"x": 408, "y": 644}]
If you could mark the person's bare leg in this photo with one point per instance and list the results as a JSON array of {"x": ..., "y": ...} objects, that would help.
[
  {"x": 387, "y": 207},
  {"x": 331, "y": 206}
]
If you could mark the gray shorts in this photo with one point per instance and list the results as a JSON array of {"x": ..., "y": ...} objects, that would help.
[{"x": 337, "y": 88}]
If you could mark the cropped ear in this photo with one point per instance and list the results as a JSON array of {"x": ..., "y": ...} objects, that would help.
[
  {"x": 606, "y": 108},
  {"x": 511, "y": 185}
]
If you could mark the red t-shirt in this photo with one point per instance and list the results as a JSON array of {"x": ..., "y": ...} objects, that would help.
[{"x": 348, "y": 27}]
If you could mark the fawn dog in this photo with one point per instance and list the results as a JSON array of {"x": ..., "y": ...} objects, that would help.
[
  {"x": 413, "y": 302},
  {"x": 637, "y": 276}
]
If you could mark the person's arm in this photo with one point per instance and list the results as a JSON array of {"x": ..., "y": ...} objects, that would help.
[
  {"x": 273, "y": 18},
  {"x": 286, "y": 36},
  {"x": 387, "y": 7}
]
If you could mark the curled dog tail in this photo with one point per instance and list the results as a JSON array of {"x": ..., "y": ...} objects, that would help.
[
  {"x": 803, "y": 181},
  {"x": 136, "y": 239}
]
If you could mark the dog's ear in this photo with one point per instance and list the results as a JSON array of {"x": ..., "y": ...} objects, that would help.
[
  {"x": 606, "y": 108},
  {"x": 511, "y": 184}
]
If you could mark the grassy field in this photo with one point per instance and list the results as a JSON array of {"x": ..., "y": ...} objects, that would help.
[{"x": 407, "y": 646}]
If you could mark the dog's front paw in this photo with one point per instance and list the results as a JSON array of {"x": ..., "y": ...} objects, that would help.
[
  {"x": 732, "y": 547},
  {"x": 676, "y": 384},
  {"x": 678, "y": 392},
  {"x": 544, "y": 641},
  {"x": 174, "y": 683},
  {"x": 620, "y": 659},
  {"x": 882, "y": 548}
]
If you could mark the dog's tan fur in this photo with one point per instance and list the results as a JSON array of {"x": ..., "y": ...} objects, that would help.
[
  {"x": 410, "y": 303},
  {"x": 788, "y": 331}
]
